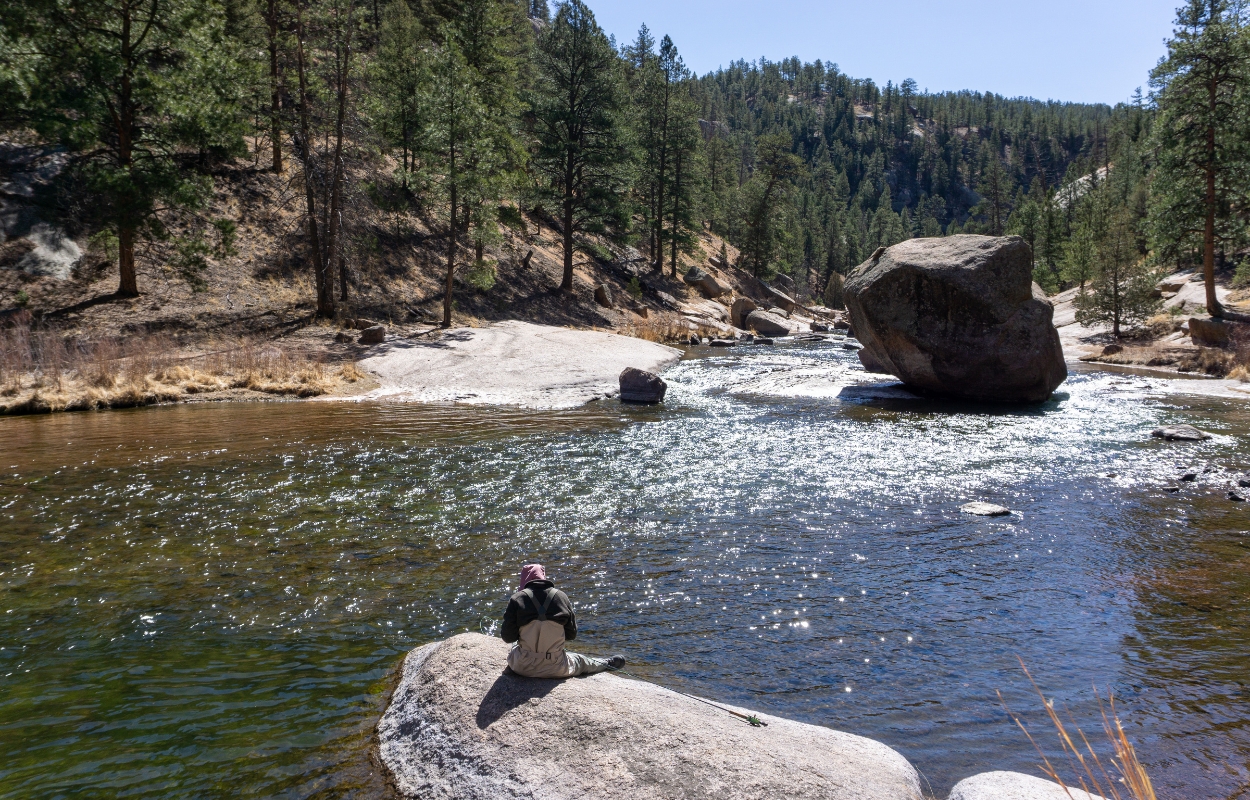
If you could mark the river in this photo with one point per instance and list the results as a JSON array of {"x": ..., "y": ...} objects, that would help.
[{"x": 206, "y": 600}]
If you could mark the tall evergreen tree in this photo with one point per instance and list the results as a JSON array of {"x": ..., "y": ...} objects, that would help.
[
  {"x": 580, "y": 151},
  {"x": 127, "y": 85},
  {"x": 1203, "y": 170}
]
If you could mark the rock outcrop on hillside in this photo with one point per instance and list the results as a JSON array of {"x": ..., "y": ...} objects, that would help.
[
  {"x": 958, "y": 316},
  {"x": 458, "y": 727}
]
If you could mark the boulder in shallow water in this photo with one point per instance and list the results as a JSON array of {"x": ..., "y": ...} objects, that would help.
[
  {"x": 1180, "y": 433},
  {"x": 959, "y": 316},
  {"x": 639, "y": 386},
  {"x": 767, "y": 324},
  {"x": 982, "y": 509},
  {"x": 1014, "y": 786},
  {"x": 457, "y": 727},
  {"x": 374, "y": 335}
]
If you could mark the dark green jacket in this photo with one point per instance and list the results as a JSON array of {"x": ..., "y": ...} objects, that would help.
[{"x": 521, "y": 611}]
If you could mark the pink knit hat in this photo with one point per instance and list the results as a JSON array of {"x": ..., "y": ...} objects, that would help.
[{"x": 532, "y": 572}]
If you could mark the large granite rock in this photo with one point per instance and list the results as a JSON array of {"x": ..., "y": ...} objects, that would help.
[
  {"x": 640, "y": 386},
  {"x": 958, "y": 316},
  {"x": 709, "y": 284},
  {"x": 766, "y": 324},
  {"x": 375, "y": 334},
  {"x": 1014, "y": 786},
  {"x": 457, "y": 727},
  {"x": 739, "y": 310}
]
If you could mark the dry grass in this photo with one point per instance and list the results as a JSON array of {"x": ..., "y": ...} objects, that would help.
[
  {"x": 666, "y": 327},
  {"x": 1090, "y": 773},
  {"x": 40, "y": 371}
]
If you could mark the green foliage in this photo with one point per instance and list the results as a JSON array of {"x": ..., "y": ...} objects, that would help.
[
  {"x": 511, "y": 217},
  {"x": 481, "y": 275},
  {"x": 833, "y": 296},
  {"x": 21, "y": 298},
  {"x": 580, "y": 148},
  {"x": 764, "y": 210},
  {"x": 634, "y": 288},
  {"x": 1122, "y": 284}
]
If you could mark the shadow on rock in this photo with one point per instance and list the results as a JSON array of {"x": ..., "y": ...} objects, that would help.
[{"x": 509, "y": 692}]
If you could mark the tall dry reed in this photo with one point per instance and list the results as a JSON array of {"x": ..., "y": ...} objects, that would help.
[{"x": 1090, "y": 774}]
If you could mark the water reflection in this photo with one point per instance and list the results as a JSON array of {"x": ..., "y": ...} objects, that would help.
[{"x": 192, "y": 587}]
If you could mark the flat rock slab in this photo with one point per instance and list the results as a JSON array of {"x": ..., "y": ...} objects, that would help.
[
  {"x": 1014, "y": 786},
  {"x": 984, "y": 509},
  {"x": 457, "y": 727},
  {"x": 1180, "y": 433},
  {"x": 511, "y": 363}
]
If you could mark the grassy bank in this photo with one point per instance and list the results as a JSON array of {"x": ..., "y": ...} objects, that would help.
[{"x": 42, "y": 371}]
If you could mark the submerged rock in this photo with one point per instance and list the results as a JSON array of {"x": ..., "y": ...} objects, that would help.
[
  {"x": 1014, "y": 786},
  {"x": 638, "y": 386},
  {"x": 457, "y": 727},
  {"x": 984, "y": 509},
  {"x": 959, "y": 316},
  {"x": 1180, "y": 433}
]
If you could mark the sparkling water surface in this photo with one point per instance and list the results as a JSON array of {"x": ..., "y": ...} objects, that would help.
[{"x": 210, "y": 600}]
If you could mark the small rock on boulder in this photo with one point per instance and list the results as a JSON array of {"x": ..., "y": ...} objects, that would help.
[
  {"x": 982, "y": 509},
  {"x": 603, "y": 296},
  {"x": 959, "y": 316},
  {"x": 1014, "y": 786},
  {"x": 639, "y": 386},
  {"x": 458, "y": 727},
  {"x": 767, "y": 324},
  {"x": 1180, "y": 433},
  {"x": 739, "y": 310},
  {"x": 373, "y": 335}
]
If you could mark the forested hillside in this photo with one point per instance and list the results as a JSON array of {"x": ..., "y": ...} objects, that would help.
[{"x": 465, "y": 115}]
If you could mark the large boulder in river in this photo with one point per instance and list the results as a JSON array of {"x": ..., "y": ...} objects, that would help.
[
  {"x": 958, "y": 316},
  {"x": 458, "y": 727}
]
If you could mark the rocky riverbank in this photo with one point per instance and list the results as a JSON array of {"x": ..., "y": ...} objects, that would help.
[{"x": 458, "y": 727}]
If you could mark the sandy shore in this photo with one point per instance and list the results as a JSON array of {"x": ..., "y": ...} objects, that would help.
[{"x": 509, "y": 363}]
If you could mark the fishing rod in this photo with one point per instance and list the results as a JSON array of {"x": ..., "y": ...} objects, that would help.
[{"x": 755, "y": 721}]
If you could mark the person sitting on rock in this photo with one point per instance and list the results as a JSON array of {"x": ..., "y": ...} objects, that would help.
[{"x": 539, "y": 619}]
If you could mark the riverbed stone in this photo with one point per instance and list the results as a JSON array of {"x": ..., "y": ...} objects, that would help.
[
  {"x": 982, "y": 509},
  {"x": 1180, "y": 433},
  {"x": 959, "y": 316},
  {"x": 640, "y": 386},
  {"x": 373, "y": 335},
  {"x": 1004, "y": 785},
  {"x": 458, "y": 727},
  {"x": 766, "y": 324}
]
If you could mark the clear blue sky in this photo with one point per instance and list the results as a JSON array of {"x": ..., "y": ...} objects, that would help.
[{"x": 1078, "y": 50}]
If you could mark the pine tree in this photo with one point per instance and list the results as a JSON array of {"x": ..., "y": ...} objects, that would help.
[
  {"x": 127, "y": 86},
  {"x": 400, "y": 74},
  {"x": 580, "y": 150},
  {"x": 1122, "y": 287},
  {"x": 1203, "y": 170},
  {"x": 765, "y": 202}
]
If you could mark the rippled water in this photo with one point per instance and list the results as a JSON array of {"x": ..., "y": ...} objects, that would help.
[{"x": 205, "y": 601}]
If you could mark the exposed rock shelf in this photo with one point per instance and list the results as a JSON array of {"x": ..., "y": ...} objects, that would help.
[
  {"x": 511, "y": 363},
  {"x": 457, "y": 727}
]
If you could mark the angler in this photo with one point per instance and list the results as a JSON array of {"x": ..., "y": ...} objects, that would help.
[{"x": 540, "y": 619}]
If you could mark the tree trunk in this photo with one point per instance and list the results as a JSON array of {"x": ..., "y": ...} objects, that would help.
[
  {"x": 451, "y": 253},
  {"x": 1208, "y": 234},
  {"x": 275, "y": 98},
  {"x": 325, "y": 305},
  {"x": 570, "y": 177},
  {"x": 342, "y": 279},
  {"x": 676, "y": 210},
  {"x": 308, "y": 160},
  {"x": 129, "y": 285}
]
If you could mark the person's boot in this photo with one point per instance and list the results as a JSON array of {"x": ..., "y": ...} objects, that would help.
[{"x": 616, "y": 662}]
